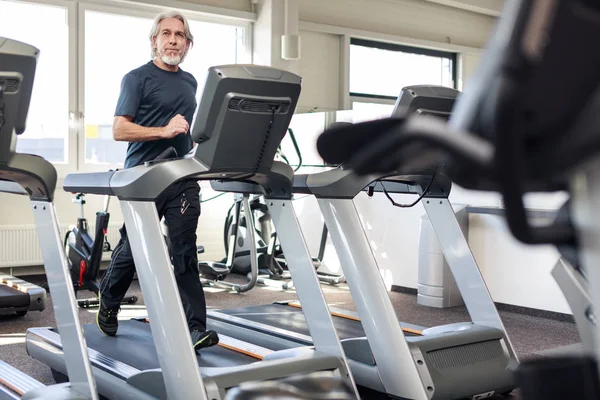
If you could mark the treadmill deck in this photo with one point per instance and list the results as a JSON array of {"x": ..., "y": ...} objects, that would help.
[{"x": 286, "y": 317}]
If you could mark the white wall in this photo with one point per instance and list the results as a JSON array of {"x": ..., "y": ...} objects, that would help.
[
  {"x": 320, "y": 66},
  {"x": 515, "y": 273}
]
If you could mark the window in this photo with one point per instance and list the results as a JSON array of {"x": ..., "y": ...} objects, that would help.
[
  {"x": 363, "y": 111},
  {"x": 379, "y": 71},
  {"x": 307, "y": 128},
  {"x": 110, "y": 54},
  {"x": 45, "y": 27}
]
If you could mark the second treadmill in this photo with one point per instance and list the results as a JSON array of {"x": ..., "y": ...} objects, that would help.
[{"x": 444, "y": 362}]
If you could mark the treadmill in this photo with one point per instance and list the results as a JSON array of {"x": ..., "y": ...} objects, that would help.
[
  {"x": 18, "y": 296},
  {"x": 471, "y": 359},
  {"x": 34, "y": 177},
  {"x": 243, "y": 114}
]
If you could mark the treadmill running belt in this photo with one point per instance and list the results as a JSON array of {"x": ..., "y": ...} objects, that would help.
[
  {"x": 133, "y": 345},
  {"x": 11, "y": 297},
  {"x": 292, "y": 319}
]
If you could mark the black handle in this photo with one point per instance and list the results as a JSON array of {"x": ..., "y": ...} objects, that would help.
[{"x": 170, "y": 152}]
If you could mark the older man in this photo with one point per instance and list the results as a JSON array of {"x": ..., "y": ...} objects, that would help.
[{"x": 154, "y": 111}]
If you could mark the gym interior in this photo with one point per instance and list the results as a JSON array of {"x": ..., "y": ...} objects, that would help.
[{"x": 322, "y": 281}]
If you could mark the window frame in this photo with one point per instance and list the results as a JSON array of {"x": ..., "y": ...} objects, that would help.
[{"x": 377, "y": 44}]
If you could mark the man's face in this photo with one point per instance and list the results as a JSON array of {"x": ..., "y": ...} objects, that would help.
[{"x": 171, "y": 43}]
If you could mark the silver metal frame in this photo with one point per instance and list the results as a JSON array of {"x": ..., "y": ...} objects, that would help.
[
  {"x": 373, "y": 304},
  {"x": 64, "y": 302},
  {"x": 306, "y": 281},
  {"x": 170, "y": 330},
  {"x": 20, "y": 382},
  {"x": 465, "y": 271},
  {"x": 585, "y": 189},
  {"x": 576, "y": 291}
]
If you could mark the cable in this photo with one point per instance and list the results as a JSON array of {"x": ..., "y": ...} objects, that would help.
[
  {"x": 212, "y": 198},
  {"x": 297, "y": 148},
  {"x": 420, "y": 196}
]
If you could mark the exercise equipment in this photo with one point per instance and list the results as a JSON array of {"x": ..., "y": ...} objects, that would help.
[
  {"x": 18, "y": 296},
  {"x": 242, "y": 116},
  {"x": 517, "y": 130},
  {"x": 84, "y": 252},
  {"x": 34, "y": 177},
  {"x": 461, "y": 360},
  {"x": 271, "y": 263},
  {"x": 214, "y": 273},
  {"x": 270, "y": 269}
]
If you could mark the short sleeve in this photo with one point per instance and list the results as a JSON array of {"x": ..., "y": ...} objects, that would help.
[{"x": 130, "y": 96}]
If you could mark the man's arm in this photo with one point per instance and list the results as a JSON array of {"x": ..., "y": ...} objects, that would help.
[{"x": 125, "y": 130}]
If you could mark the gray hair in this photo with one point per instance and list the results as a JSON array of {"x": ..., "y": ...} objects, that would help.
[{"x": 169, "y": 14}]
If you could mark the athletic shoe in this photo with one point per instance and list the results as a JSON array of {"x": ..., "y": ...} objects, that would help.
[
  {"x": 106, "y": 319},
  {"x": 204, "y": 339}
]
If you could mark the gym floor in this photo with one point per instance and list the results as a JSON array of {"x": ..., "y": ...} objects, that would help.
[{"x": 531, "y": 336}]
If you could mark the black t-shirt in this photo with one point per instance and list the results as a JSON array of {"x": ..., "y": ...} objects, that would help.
[{"x": 152, "y": 96}]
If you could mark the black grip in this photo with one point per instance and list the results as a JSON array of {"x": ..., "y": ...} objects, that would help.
[{"x": 170, "y": 152}]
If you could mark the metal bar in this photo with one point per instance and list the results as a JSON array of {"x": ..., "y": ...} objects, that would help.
[
  {"x": 64, "y": 302},
  {"x": 171, "y": 335},
  {"x": 260, "y": 327},
  {"x": 465, "y": 271},
  {"x": 97, "y": 359},
  {"x": 585, "y": 189},
  {"x": 233, "y": 236},
  {"x": 373, "y": 304},
  {"x": 323, "y": 243},
  {"x": 318, "y": 319},
  {"x": 16, "y": 380},
  {"x": 253, "y": 252},
  {"x": 575, "y": 289}
]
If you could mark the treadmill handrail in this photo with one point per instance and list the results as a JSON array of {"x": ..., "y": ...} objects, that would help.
[
  {"x": 345, "y": 184},
  {"x": 34, "y": 174},
  {"x": 147, "y": 182}
]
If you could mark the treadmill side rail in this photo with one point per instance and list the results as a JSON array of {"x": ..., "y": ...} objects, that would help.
[
  {"x": 575, "y": 288},
  {"x": 465, "y": 270},
  {"x": 14, "y": 383},
  {"x": 171, "y": 335},
  {"x": 78, "y": 364},
  {"x": 308, "y": 286},
  {"x": 377, "y": 315},
  {"x": 219, "y": 380}
]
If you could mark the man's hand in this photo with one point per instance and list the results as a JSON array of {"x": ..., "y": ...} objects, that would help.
[{"x": 177, "y": 125}]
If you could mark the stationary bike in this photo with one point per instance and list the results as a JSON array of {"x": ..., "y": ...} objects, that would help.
[{"x": 85, "y": 253}]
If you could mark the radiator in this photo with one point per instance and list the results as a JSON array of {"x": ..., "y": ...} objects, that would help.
[{"x": 19, "y": 245}]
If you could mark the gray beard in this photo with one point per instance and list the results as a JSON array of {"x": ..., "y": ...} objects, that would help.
[{"x": 171, "y": 60}]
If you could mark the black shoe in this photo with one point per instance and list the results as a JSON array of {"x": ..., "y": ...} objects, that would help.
[
  {"x": 204, "y": 339},
  {"x": 107, "y": 321}
]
